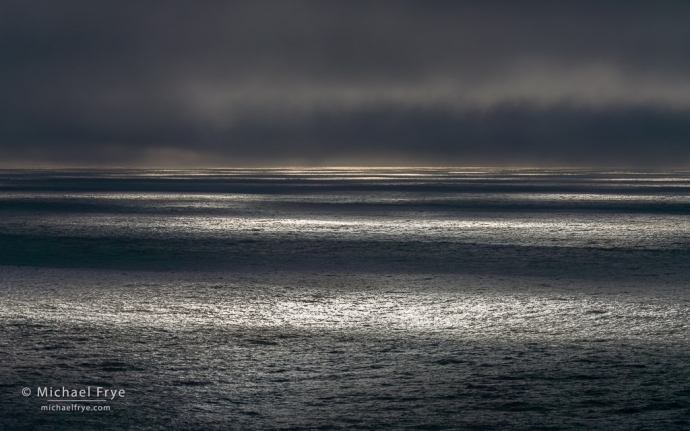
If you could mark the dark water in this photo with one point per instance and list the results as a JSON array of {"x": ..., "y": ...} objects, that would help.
[{"x": 347, "y": 299}]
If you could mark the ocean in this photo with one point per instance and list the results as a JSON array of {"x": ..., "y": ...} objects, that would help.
[{"x": 276, "y": 299}]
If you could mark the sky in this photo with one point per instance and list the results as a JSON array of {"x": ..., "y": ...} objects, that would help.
[{"x": 345, "y": 83}]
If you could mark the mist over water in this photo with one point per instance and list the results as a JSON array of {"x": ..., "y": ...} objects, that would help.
[{"x": 348, "y": 298}]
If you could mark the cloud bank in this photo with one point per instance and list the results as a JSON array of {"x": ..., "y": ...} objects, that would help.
[{"x": 345, "y": 82}]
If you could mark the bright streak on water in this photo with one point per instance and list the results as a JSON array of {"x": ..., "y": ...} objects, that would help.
[{"x": 456, "y": 308}]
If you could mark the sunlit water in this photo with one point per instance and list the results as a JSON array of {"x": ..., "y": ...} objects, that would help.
[{"x": 348, "y": 299}]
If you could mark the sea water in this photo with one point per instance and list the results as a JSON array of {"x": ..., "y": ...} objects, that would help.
[{"x": 345, "y": 299}]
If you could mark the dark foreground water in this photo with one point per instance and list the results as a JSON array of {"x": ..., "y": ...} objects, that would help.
[{"x": 345, "y": 299}]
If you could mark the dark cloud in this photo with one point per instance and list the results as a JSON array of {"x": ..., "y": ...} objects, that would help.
[{"x": 312, "y": 82}]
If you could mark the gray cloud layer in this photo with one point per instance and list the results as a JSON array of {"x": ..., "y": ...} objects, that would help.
[{"x": 311, "y": 82}]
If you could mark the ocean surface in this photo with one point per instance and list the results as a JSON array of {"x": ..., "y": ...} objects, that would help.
[{"x": 346, "y": 299}]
